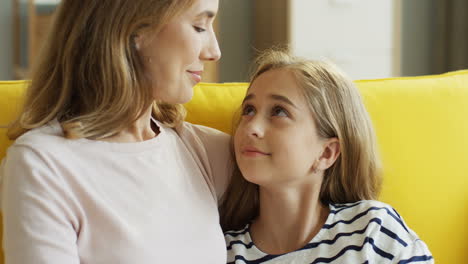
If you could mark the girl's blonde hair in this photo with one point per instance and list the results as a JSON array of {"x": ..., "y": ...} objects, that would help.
[
  {"x": 339, "y": 112},
  {"x": 90, "y": 76}
]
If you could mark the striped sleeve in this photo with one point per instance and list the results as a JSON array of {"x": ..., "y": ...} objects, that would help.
[
  {"x": 362, "y": 232},
  {"x": 416, "y": 252}
]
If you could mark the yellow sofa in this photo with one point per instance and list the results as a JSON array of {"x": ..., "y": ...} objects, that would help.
[{"x": 422, "y": 130}]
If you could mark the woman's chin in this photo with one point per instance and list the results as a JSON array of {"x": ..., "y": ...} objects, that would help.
[
  {"x": 186, "y": 96},
  {"x": 179, "y": 99}
]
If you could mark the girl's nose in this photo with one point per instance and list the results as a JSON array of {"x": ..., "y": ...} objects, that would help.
[{"x": 255, "y": 128}]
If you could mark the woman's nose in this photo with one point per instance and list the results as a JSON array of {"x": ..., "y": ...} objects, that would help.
[{"x": 211, "y": 52}]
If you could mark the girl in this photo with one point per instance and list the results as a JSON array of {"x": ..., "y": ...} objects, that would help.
[
  {"x": 308, "y": 174},
  {"x": 103, "y": 169}
]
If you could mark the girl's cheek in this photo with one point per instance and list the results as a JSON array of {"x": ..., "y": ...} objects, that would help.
[{"x": 236, "y": 139}]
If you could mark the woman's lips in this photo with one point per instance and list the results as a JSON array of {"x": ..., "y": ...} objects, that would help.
[{"x": 196, "y": 75}]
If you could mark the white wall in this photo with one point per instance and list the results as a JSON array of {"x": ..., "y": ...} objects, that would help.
[
  {"x": 357, "y": 35},
  {"x": 6, "y": 42}
]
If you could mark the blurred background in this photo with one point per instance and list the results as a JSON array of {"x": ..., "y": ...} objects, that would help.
[{"x": 366, "y": 38}]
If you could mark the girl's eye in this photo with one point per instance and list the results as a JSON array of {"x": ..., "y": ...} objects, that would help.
[
  {"x": 248, "y": 110},
  {"x": 199, "y": 29},
  {"x": 279, "y": 111}
]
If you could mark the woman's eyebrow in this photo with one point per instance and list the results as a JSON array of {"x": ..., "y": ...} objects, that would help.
[{"x": 206, "y": 13}]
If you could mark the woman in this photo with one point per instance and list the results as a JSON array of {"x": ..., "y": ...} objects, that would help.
[
  {"x": 104, "y": 170},
  {"x": 308, "y": 174}
]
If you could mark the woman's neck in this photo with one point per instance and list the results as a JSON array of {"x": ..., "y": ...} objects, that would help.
[
  {"x": 141, "y": 130},
  {"x": 288, "y": 219}
]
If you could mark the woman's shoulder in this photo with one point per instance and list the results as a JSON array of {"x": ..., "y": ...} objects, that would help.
[
  {"x": 202, "y": 132},
  {"x": 202, "y": 139},
  {"x": 47, "y": 136},
  {"x": 205, "y": 142},
  {"x": 211, "y": 148},
  {"x": 36, "y": 146}
]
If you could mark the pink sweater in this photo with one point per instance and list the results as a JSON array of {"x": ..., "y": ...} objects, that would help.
[{"x": 83, "y": 201}]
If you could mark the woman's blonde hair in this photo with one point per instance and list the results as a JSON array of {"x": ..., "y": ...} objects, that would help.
[
  {"x": 338, "y": 112},
  {"x": 90, "y": 76}
]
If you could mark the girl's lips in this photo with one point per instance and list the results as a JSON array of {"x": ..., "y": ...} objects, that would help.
[
  {"x": 254, "y": 152},
  {"x": 196, "y": 75}
]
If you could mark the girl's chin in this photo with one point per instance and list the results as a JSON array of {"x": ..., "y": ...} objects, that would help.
[{"x": 256, "y": 178}]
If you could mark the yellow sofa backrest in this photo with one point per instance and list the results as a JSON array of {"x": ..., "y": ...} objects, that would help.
[{"x": 422, "y": 131}]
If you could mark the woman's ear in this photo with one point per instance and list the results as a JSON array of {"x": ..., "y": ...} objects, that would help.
[
  {"x": 330, "y": 154},
  {"x": 137, "y": 41}
]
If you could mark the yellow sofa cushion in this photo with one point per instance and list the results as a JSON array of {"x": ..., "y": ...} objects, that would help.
[
  {"x": 11, "y": 93},
  {"x": 422, "y": 128},
  {"x": 421, "y": 125}
]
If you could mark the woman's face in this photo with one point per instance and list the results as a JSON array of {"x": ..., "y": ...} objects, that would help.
[
  {"x": 174, "y": 57},
  {"x": 276, "y": 142}
]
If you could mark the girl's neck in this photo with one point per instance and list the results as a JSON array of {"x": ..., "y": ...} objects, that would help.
[{"x": 288, "y": 219}]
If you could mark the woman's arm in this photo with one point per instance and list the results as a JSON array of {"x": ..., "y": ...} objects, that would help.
[
  {"x": 38, "y": 221},
  {"x": 217, "y": 148},
  {"x": 211, "y": 147}
]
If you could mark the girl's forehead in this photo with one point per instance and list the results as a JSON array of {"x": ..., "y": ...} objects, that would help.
[
  {"x": 277, "y": 80},
  {"x": 278, "y": 83}
]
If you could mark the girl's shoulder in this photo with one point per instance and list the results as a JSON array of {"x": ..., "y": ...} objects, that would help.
[
  {"x": 373, "y": 213},
  {"x": 380, "y": 225},
  {"x": 368, "y": 207},
  {"x": 236, "y": 234},
  {"x": 366, "y": 210},
  {"x": 238, "y": 242}
]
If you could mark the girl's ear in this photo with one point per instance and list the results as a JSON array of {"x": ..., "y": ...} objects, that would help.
[{"x": 330, "y": 153}]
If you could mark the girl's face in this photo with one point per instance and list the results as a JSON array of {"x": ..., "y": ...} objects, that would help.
[
  {"x": 174, "y": 57},
  {"x": 276, "y": 142}
]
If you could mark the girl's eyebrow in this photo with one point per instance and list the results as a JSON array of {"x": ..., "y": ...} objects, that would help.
[
  {"x": 276, "y": 97},
  {"x": 282, "y": 98},
  {"x": 248, "y": 97}
]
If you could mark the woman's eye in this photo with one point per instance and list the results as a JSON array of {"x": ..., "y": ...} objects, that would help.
[
  {"x": 248, "y": 110},
  {"x": 199, "y": 29},
  {"x": 279, "y": 111}
]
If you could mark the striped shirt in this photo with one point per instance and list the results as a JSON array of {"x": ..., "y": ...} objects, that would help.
[{"x": 361, "y": 232}]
